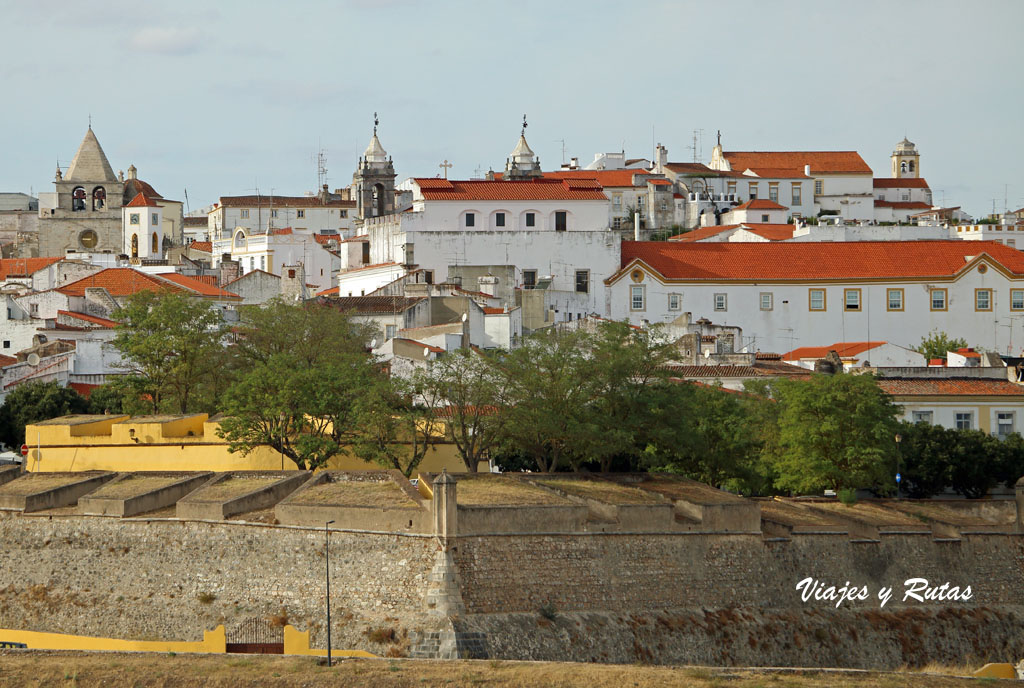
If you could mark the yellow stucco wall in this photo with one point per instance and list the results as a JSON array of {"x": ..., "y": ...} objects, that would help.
[
  {"x": 296, "y": 642},
  {"x": 169, "y": 443},
  {"x": 213, "y": 641}
]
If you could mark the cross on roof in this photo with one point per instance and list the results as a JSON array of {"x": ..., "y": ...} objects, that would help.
[{"x": 446, "y": 166}]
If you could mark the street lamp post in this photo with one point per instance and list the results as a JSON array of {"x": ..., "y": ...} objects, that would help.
[
  {"x": 899, "y": 456},
  {"x": 327, "y": 549}
]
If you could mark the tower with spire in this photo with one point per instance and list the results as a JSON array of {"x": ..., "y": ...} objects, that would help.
[
  {"x": 87, "y": 214},
  {"x": 906, "y": 161},
  {"x": 521, "y": 162},
  {"x": 374, "y": 180}
]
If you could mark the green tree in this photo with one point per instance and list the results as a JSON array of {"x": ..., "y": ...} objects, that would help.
[
  {"x": 925, "y": 457},
  {"x": 467, "y": 387},
  {"x": 33, "y": 402},
  {"x": 108, "y": 398},
  {"x": 303, "y": 371},
  {"x": 171, "y": 345},
  {"x": 937, "y": 344},
  {"x": 835, "y": 431},
  {"x": 398, "y": 425}
]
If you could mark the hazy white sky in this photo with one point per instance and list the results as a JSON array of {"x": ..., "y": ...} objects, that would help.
[{"x": 219, "y": 97}]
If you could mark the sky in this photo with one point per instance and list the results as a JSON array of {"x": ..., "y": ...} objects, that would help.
[{"x": 222, "y": 98}]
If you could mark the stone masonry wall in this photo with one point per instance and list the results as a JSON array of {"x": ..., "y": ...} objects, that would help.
[{"x": 153, "y": 579}]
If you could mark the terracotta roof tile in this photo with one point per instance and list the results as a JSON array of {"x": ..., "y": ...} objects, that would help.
[
  {"x": 200, "y": 287},
  {"x": 702, "y": 233},
  {"x": 281, "y": 202},
  {"x": 119, "y": 282},
  {"x": 679, "y": 260},
  {"x": 844, "y": 349},
  {"x": 23, "y": 267},
  {"x": 771, "y": 232},
  {"x": 141, "y": 200},
  {"x": 760, "y": 204},
  {"x": 541, "y": 189},
  {"x": 7, "y": 360},
  {"x": 197, "y": 222},
  {"x": 374, "y": 304},
  {"x": 333, "y": 291},
  {"x": 603, "y": 177},
  {"x": 692, "y": 168},
  {"x": 777, "y": 173},
  {"x": 428, "y": 347},
  {"x": 83, "y": 388},
  {"x": 905, "y": 183},
  {"x": 488, "y": 310},
  {"x": 206, "y": 246},
  {"x": 950, "y": 386},
  {"x": 903, "y": 205},
  {"x": 821, "y": 162},
  {"x": 84, "y": 317}
]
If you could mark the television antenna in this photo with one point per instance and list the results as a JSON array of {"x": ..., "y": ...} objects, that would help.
[
  {"x": 562, "y": 141},
  {"x": 321, "y": 166}
]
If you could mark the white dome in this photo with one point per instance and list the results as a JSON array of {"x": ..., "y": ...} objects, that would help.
[{"x": 375, "y": 152}]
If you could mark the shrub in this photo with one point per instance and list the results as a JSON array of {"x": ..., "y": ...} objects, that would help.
[
  {"x": 206, "y": 597},
  {"x": 848, "y": 496},
  {"x": 548, "y": 611}
]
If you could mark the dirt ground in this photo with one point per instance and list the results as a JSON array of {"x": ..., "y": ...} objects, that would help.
[{"x": 137, "y": 670}]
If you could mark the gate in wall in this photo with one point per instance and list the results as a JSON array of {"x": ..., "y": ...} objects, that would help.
[{"x": 256, "y": 637}]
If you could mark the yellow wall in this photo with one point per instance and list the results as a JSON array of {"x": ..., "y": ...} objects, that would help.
[
  {"x": 296, "y": 642},
  {"x": 164, "y": 444},
  {"x": 213, "y": 641}
]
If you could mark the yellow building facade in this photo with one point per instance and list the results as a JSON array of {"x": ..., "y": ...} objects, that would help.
[{"x": 171, "y": 443}]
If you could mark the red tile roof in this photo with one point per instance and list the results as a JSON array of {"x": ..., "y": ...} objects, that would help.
[
  {"x": 374, "y": 304},
  {"x": 119, "y": 282},
  {"x": 281, "y": 202},
  {"x": 692, "y": 168},
  {"x": 760, "y": 204},
  {"x": 903, "y": 205},
  {"x": 950, "y": 386},
  {"x": 777, "y": 173},
  {"x": 488, "y": 310},
  {"x": 428, "y": 347},
  {"x": 83, "y": 388},
  {"x": 815, "y": 261},
  {"x": 659, "y": 182},
  {"x": 771, "y": 232},
  {"x": 905, "y": 183},
  {"x": 200, "y": 287},
  {"x": 197, "y": 222},
  {"x": 324, "y": 239},
  {"x": 7, "y": 360},
  {"x": 701, "y": 233},
  {"x": 23, "y": 267},
  {"x": 520, "y": 190},
  {"x": 603, "y": 177},
  {"x": 206, "y": 246},
  {"x": 821, "y": 162},
  {"x": 844, "y": 349},
  {"x": 333, "y": 291},
  {"x": 141, "y": 200},
  {"x": 95, "y": 320}
]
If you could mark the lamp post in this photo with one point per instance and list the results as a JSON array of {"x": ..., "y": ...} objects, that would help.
[
  {"x": 899, "y": 456},
  {"x": 327, "y": 549}
]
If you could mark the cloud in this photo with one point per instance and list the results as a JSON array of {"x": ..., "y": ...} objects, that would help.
[{"x": 167, "y": 40}]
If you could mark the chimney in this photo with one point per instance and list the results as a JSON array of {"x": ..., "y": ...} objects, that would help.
[
  {"x": 574, "y": 163},
  {"x": 293, "y": 283},
  {"x": 636, "y": 226},
  {"x": 488, "y": 284},
  {"x": 228, "y": 270},
  {"x": 807, "y": 170},
  {"x": 660, "y": 158}
]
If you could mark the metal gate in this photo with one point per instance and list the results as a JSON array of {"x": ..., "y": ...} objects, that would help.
[{"x": 256, "y": 637}]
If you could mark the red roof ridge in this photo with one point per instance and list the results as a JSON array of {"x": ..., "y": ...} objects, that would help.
[
  {"x": 104, "y": 322},
  {"x": 141, "y": 200}
]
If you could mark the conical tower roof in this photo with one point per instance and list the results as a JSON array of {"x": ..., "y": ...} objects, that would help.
[
  {"x": 522, "y": 152},
  {"x": 375, "y": 152},
  {"x": 90, "y": 163}
]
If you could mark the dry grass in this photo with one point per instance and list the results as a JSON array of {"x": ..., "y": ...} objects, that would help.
[
  {"x": 500, "y": 491},
  {"x": 359, "y": 493},
  {"x": 134, "y": 486},
  {"x": 866, "y": 512},
  {"x": 38, "y": 482},
  {"x": 782, "y": 512},
  {"x": 229, "y": 488},
  {"x": 85, "y": 670},
  {"x": 688, "y": 490},
  {"x": 602, "y": 491}
]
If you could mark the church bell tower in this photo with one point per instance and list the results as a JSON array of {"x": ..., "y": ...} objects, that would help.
[
  {"x": 906, "y": 161},
  {"x": 374, "y": 180}
]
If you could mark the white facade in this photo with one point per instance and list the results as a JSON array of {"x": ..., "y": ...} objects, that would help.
[
  {"x": 304, "y": 214},
  {"x": 1008, "y": 235},
  {"x": 143, "y": 229},
  {"x": 269, "y": 252}
]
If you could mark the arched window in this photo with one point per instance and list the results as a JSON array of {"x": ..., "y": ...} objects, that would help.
[
  {"x": 78, "y": 198},
  {"x": 240, "y": 240},
  {"x": 156, "y": 245},
  {"x": 911, "y": 165},
  {"x": 903, "y": 166},
  {"x": 378, "y": 200},
  {"x": 99, "y": 198},
  {"x": 135, "y": 245}
]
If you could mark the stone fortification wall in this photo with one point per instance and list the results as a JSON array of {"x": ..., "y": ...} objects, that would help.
[{"x": 153, "y": 580}]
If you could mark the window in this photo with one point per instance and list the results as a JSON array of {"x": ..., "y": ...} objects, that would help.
[
  {"x": 561, "y": 218},
  {"x": 252, "y": 263},
  {"x": 300, "y": 213},
  {"x": 675, "y": 302},
  {"x": 636, "y": 297},
  {"x": 133, "y": 219},
  {"x": 797, "y": 195},
  {"x": 773, "y": 193},
  {"x": 263, "y": 263},
  {"x": 922, "y": 417},
  {"x": 343, "y": 213},
  {"x": 938, "y": 299},
  {"x": 78, "y": 198},
  {"x": 764, "y": 218},
  {"x": 752, "y": 189},
  {"x": 470, "y": 220},
  {"x": 273, "y": 214},
  {"x": 851, "y": 299},
  {"x": 34, "y": 309},
  {"x": 617, "y": 201},
  {"x": 531, "y": 220},
  {"x": 1004, "y": 423},
  {"x": 1012, "y": 243},
  {"x": 155, "y": 247},
  {"x": 389, "y": 331},
  {"x": 616, "y": 222},
  {"x": 499, "y": 219},
  {"x": 819, "y": 187},
  {"x": 583, "y": 281},
  {"x": 766, "y": 300},
  {"x": 905, "y": 196},
  {"x": 964, "y": 421},
  {"x": 894, "y": 299},
  {"x": 155, "y": 219},
  {"x": 732, "y": 187},
  {"x": 7, "y": 344},
  {"x": 529, "y": 279},
  {"x": 244, "y": 213},
  {"x": 1017, "y": 299},
  {"x": 721, "y": 302},
  {"x": 982, "y": 299},
  {"x": 817, "y": 299}
]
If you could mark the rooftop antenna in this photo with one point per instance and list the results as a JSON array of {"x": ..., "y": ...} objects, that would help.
[
  {"x": 562, "y": 141},
  {"x": 479, "y": 171},
  {"x": 321, "y": 166},
  {"x": 186, "y": 202},
  {"x": 698, "y": 144}
]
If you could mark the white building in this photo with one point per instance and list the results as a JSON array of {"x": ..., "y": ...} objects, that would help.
[
  {"x": 143, "y": 228},
  {"x": 325, "y": 212},
  {"x": 269, "y": 252},
  {"x": 857, "y": 355},
  {"x": 786, "y": 294}
]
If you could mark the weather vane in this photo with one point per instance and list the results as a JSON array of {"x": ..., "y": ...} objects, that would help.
[
  {"x": 375, "y": 123},
  {"x": 523, "y": 132}
]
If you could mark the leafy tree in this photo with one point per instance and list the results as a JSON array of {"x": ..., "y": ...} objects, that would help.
[
  {"x": 1011, "y": 468},
  {"x": 937, "y": 344},
  {"x": 469, "y": 389},
  {"x": 398, "y": 425},
  {"x": 171, "y": 344},
  {"x": 835, "y": 431},
  {"x": 925, "y": 456},
  {"x": 303, "y": 374},
  {"x": 108, "y": 398},
  {"x": 33, "y": 402}
]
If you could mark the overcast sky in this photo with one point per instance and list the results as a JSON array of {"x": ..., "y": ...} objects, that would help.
[{"x": 221, "y": 97}]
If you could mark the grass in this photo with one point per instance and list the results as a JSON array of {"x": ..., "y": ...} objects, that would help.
[
  {"x": 134, "y": 486},
  {"x": 359, "y": 493},
  {"x": 866, "y": 512},
  {"x": 602, "y": 491},
  {"x": 688, "y": 490},
  {"x": 229, "y": 488},
  {"x": 24, "y": 668},
  {"x": 500, "y": 491},
  {"x": 36, "y": 482}
]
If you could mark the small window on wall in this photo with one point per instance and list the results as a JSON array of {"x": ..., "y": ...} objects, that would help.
[
  {"x": 343, "y": 213},
  {"x": 7, "y": 344},
  {"x": 529, "y": 279},
  {"x": 752, "y": 188},
  {"x": 244, "y": 213},
  {"x": 797, "y": 200},
  {"x": 894, "y": 299},
  {"x": 156, "y": 219},
  {"x": 773, "y": 193},
  {"x": 470, "y": 220},
  {"x": 851, "y": 299},
  {"x": 300, "y": 213},
  {"x": 561, "y": 220},
  {"x": 766, "y": 301},
  {"x": 583, "y": 281},
  {"x": 764, "y": 218},
  {"x": 636, "y": 297},
  {"x": 499, "y": 219},
  {"x": 721, "y": 302},
  {"x": 922, "y": 417},
  {"x": 816, "y": 299},
  {"x": 982, "y": 299},
  {"x": 819, "y": 187},
  {"x": 1004, "y": 423},
  {"x": 965, "y": 421},
  {"x": 1017, "y": 299},
  {"x": 675, "y": 302},
  {"x": 531, "y": 219},
  {"x": 389, "y": 331},
  {"x": 938, "y": 299}
]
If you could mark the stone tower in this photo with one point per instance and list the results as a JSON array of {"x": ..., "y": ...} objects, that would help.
[
  {"x": 906, "y": 161},
  {"x": 374, "y": 180},
  {"x": 87, "y": 216}
]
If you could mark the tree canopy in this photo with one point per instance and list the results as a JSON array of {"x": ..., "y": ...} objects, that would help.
[{"x": 937, "y": 344}]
